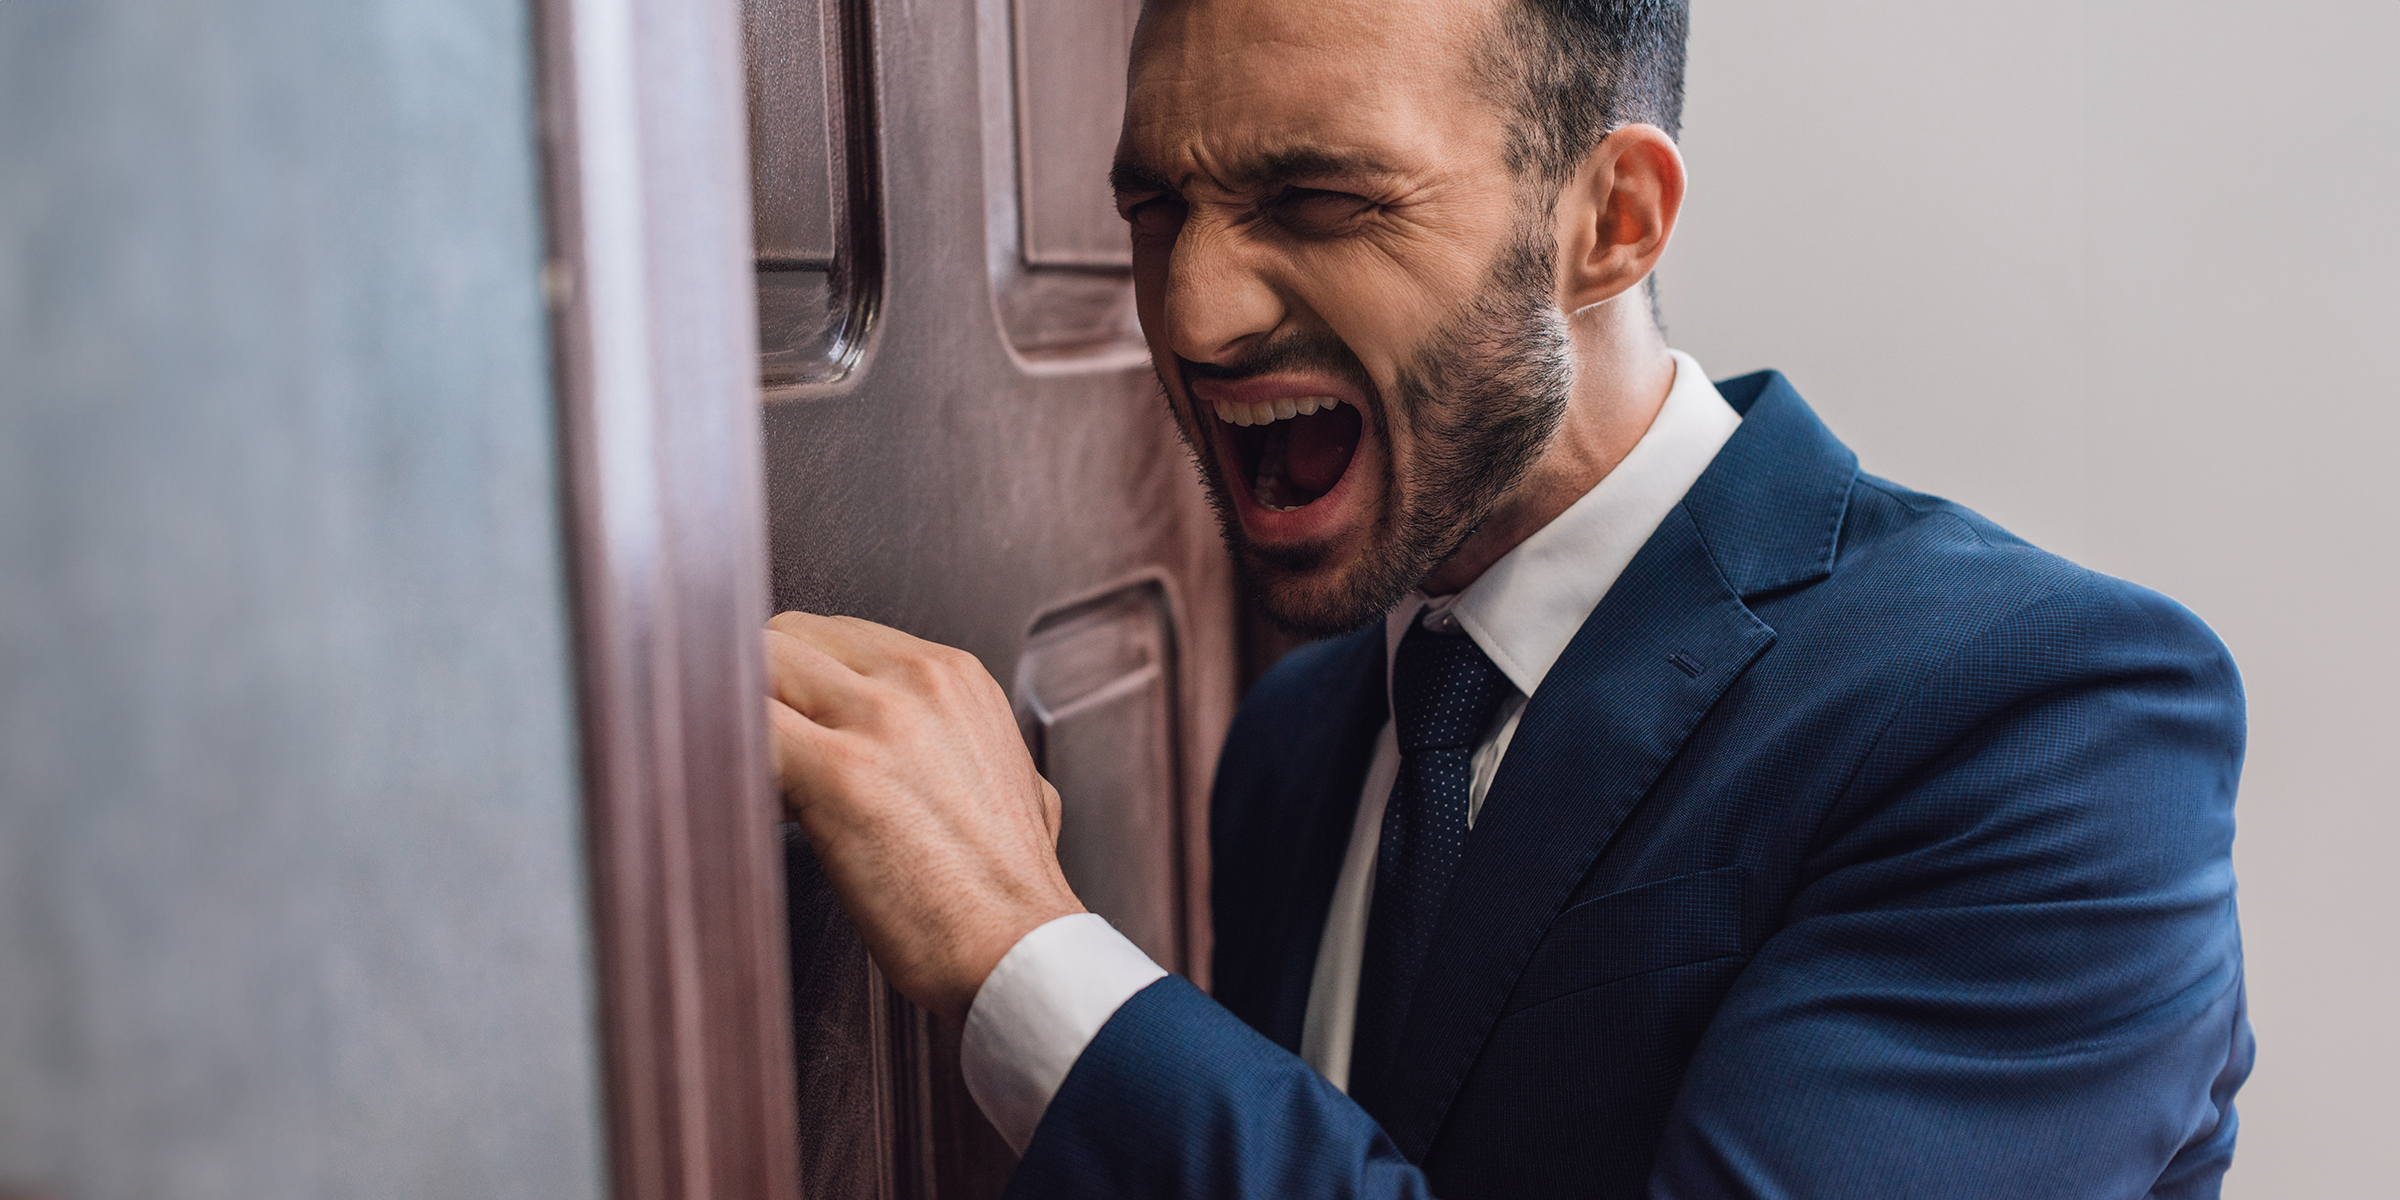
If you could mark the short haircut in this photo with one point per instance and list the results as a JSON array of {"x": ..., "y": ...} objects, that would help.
[{"x": 1585, "y": 67}]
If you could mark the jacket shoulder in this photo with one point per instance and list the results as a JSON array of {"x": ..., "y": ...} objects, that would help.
[
  {"x": 1967, "y": 577},
  {"x": 1971, "y": 673}
]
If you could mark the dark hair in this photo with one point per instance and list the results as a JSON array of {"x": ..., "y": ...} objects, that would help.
[{"x": 1584, "y": 67}]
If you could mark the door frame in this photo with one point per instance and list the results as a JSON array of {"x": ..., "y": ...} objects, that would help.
[{"x": 655, "y": 350}]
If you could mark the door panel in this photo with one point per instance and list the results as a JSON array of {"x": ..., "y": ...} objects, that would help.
[
  {"x": 815, "y": 214},
  {"x": 1053, "y": 89},
  {"x": 795, "y": 101},
  {"x": 840, "y": 1041},
  {"x": 983, "y": 460},
  {"x": 1070, "y": 93},
  {"x": 1096, "y": 688}
]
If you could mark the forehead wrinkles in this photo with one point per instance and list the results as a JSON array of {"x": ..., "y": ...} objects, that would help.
[
  {"x": 1219, "y": 86},
  {"x": 1383, "y": 34}
]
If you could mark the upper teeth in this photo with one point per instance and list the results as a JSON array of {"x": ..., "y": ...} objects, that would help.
[{"x": 1267, "y": 412}]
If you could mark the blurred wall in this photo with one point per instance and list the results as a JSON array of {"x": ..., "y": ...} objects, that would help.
[
  {"x": 2124, "y": 276},
  {"x": 291, "y": 897}
]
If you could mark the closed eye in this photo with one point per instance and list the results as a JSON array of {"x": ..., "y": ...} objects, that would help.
[
  {"x": 1157, "y": 217},
  {"x": 1317, "y": 212}
]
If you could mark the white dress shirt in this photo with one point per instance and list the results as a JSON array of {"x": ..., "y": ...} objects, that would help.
[{"x": 1053, "y": 991}]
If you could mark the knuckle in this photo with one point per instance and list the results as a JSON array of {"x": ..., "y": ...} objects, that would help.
[
  {"x": 882, "y": 706},
  {"x": 852, "y": 756},
  {"x": 930, "y": 673},
  {"x": 848, "y": 764},
  {"x": 779, "y": 665}
]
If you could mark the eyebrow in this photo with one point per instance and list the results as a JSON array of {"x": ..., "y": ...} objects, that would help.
[
  {"x": 1126, "y": 177},
  {"x": 1275, "y": 166}
]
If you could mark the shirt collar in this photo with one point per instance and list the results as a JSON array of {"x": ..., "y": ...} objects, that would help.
[{"x": 1526, "y": 607}]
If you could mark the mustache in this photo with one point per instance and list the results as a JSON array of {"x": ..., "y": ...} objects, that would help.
[{"x": 1319, "y": 352}]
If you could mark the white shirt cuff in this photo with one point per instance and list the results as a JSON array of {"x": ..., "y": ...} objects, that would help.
[{"x": 1041, "y": 1006}]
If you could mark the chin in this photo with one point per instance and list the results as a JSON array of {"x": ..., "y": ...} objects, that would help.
[
  {"x": 1330, "y": 596},
  {"x": 1312, "y": 546}
]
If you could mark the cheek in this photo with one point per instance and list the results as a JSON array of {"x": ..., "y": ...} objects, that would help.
[{"x": 1382, "y": 305}]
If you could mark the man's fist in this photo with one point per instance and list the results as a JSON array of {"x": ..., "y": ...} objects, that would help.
[{"x": 902, "y": 761}]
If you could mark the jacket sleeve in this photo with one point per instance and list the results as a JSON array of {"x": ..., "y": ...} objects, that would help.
[
  {"x": 1178, "y": 1098},
  {"x": 2011, "y": 967}
]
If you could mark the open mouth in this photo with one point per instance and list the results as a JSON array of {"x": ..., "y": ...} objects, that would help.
[{"x": 1292, "y": 451}]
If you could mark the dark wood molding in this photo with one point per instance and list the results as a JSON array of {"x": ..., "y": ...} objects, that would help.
[{"x": 656, "y": 359}]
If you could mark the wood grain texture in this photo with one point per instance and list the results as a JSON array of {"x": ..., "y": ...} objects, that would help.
[{"x": 655, "y": 354}]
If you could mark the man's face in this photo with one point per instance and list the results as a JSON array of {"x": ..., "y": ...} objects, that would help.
[{"x": 1350, "y": 300}]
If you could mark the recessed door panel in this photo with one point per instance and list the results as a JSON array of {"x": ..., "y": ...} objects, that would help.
[
  {"x": 794, "y": 80},
  {"x": 1055, "y": 95},
  {"x": 838, "y": 1039},
  {"x": 1096, "y": 688},
  {"x": 1070, "y": 101},
  {"x": 815, "y": 226}
]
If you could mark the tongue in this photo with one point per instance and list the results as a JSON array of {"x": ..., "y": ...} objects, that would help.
[{"x": 1320, "y": 449}]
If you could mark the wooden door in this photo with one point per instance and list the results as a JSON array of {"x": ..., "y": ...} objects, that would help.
[{"x": 963, "y": 438}]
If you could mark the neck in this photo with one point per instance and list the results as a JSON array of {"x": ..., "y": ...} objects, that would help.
[{"x": 1622, "y": 375}]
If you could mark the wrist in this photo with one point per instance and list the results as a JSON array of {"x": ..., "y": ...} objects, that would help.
[{"x": 980, "y": 955}]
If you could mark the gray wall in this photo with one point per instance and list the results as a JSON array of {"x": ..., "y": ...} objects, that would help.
[
  {"x": 291, "y": 896},
  {"x": 2122, "y": 275}
]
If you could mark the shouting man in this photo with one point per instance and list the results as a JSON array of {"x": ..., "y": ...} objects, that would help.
[{"x": 1670, "y": 809}]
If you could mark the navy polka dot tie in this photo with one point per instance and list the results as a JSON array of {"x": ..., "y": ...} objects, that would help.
[{"x": 1444, "y": 693}]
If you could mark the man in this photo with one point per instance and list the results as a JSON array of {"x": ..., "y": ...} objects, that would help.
[{"x": 1672, "y": 810}]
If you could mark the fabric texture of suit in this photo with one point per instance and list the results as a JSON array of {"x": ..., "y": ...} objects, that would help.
[{"x": 1854, "y": 848}]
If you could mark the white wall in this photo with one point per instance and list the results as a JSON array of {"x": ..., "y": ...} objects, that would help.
[{"x": 2123, "y": 276}]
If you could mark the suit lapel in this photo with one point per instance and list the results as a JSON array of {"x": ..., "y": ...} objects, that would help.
[
  {"x": 1593, "y": 738},
  {"x": 1665, "y": 642}
]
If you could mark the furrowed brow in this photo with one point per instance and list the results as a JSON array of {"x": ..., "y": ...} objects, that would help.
[
  {"x": 1302, "y": 162},
  {"x": 1261, "y": 170},
  {"x": 1126, "y": 177}
]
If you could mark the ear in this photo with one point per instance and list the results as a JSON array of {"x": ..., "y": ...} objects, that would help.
[{"x": 1615, "y": 215}]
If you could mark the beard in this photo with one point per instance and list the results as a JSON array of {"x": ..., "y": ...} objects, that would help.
[{"x": 1483, "y": 394}]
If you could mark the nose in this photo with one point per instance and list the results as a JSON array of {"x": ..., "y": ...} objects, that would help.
[{"x": 1218, "y": 299}]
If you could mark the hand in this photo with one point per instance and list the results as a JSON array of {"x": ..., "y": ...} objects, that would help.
[{"x": 902, "y": 761}]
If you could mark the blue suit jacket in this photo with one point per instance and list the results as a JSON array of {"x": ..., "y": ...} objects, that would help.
[{"x": 1854, "y": 848}]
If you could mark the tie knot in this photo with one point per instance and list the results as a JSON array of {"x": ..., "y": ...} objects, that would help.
[{"x": 1444, "y": 691}]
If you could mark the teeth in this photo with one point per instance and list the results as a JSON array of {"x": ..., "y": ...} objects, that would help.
[{"x": 1267, "y": 412}]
